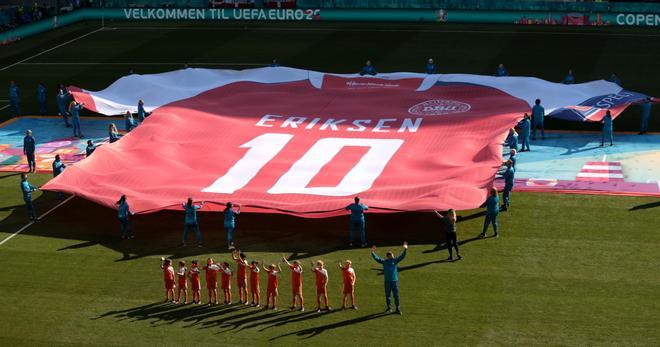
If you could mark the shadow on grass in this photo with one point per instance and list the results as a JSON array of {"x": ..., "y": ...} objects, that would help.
[
  {"x": 311, "y": 332},
  {"x": 645, "y": 206}
]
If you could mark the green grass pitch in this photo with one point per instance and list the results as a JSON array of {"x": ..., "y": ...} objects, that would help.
[{"x": 567, "y": 269}]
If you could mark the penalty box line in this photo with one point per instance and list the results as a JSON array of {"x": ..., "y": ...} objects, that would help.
[{"x": 39, "y": 218}]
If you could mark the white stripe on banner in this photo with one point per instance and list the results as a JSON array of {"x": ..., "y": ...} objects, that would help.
[
  {"x": 602, "y": 167},
  {"x": 599, "y": 175}
]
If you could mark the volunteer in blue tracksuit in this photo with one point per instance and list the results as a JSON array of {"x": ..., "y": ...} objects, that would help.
[
  {"x": 123, "y": 212},
  {"x": 513, "y": 157},
  {"x": 357, "y": 221},
  {"x": 129, "y": 122},
  {"x": 27, "y": 190},
  {"x": 29, "y": 147},
  {"x": 113, "y": 133},
  {"x": 391, "y": 275},
  {"x": 492, "y": 211},
  {"x": 142, "y": 113},
  {"x": 230, "y": 223},
  {"x": 41, "y": 98},
  {"x": 525, "y": 124},
  {"x": 368, "y": 69},
  {"x": 430, "y": 67},
  {"x": 614, "y": 78},
  {"x": 646, "y": 114},
  {"x": 15, "y": 97},
  {"x": 513, "y": 139},
  {"x": 274, "y": 63},
  {"x": 58, "y": 167},
  {"x": 501, "y": 71},
  {"x": 75, "y": 117},
  {"x": 538, "y": 113},
  {"x": 569, "y": 79},
  {"x": 62, "y": 98},
  {"x": 508, "y": 175},
  {"x": 607, "y": 129},
  {"x": 191, "y": 222}
]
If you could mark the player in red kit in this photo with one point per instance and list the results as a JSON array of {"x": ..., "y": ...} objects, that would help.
[
  {"x": 271, "y": 291},
  {"x": 212, "y": 280},
  {"x": 195, "y": 282},
  {"x": 168, "y": 277},
  {"x": 296, "y": 283},
  {"x": 349, "y": 283},
  {"x": 241, "y": 275},
  {"x": 182, "y": 281},
  {"x": 254, "y": 284},
  {"x": 225, "y": 282},
  {"x": 321, "y": 284}
]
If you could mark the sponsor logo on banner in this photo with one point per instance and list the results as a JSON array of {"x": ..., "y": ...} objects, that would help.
[{"x": 439, "y": 107}]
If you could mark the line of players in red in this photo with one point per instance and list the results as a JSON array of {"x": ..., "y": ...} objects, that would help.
[{"x": 273, "y": 271}]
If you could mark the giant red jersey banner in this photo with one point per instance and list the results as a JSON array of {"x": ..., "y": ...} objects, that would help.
[{"x": 300, "y": 142}]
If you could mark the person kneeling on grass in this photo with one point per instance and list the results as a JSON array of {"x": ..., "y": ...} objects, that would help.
[
  {"x": 296, "y": 283},
  {"x": 349, "y": 284},
  {"x": 182, "y": 281},
  {"x": 391, "y": 275},
  {"x": 450, "y": 231},
  {"x": 168, "y": 276},
  {"x": 273, "y": 275},
  {"x": 321, "y": 285},
  {"x": 212, "y": 280},
  {"x": 195, "y": 282}
]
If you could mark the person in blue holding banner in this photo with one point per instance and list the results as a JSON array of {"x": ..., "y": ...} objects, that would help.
[
  {"x": 368, "y": 69},
  {"x": 614, "y": 78},
  {"x": 58, "y": 167},
  {"x": 513, "y": 157},
  {"x": 123, "y": 212},
  {"x": 15, "y": 98},
  {"x": 27, "y": 190},
  {"x": 29, "y": 147},
  {"x": 142, "y": 113},
  {"x": 75, "y": 108},
  {"x": 538, "y": 113},
  {"x": 525, "y": 125},
  {"x": 391, "y": 275},
  {"x": 113, "y": 133},
  {"x": 512, "y": 139},
  {"x": 569, "y": 79},
  {"x": 274, "y": 63},
  {"x": 357, "y": 221},
  {"x": 90, "y": 148},
  {"x": 41, "y": 98},
  {"x": 61, "y": 98},
  {"x": 492, "y": 211},
  {"x": 191, "y": 222},
  {"x": 230, "y": 223},
  {"x": 509, "y": 176},
  {"x": 501, "y": 71},
  {"x": 430, "y": 67},
  {"x": 646, "y": 114},
  {"x": 607, "y": 129},
  {"x": 129, "y": 122}
]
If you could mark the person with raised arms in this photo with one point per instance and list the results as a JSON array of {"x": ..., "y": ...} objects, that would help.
[
  {"x": 450, "y": 231},
  {"x": 321, "y": 285},
  {"x": 357, "y": 221},
  {"x": 241, "y": 275},
  {"x": 391, "y": 275},
  {"x": 273, "y": 272},
  {"x": 348, "y": 275},
  {"x": 190, "y": 222},
  {"x": 230, "y": 223},
  {"x": 123, "y": 212},
  {"x": 74, "y": 109},
  {"x": 296, "y": 283}
]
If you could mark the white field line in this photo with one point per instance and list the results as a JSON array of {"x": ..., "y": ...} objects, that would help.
[
  {"x": 51, "y": 49},
  {"x": 437, "y": 31},
  {"x": 4, "y": 107},
  {"x": 40, "y": 217}
]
